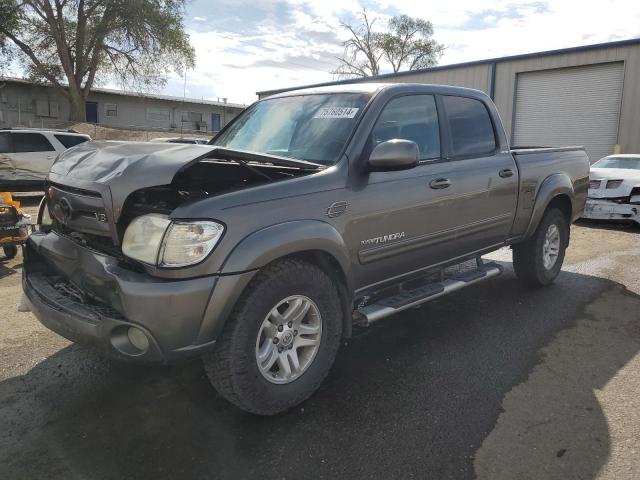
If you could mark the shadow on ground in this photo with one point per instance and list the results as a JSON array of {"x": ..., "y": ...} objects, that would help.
[
  {"x": 630, "y": 226},
  {"x": 413, "y": 396},
  {"x": 6, "y": 270}
]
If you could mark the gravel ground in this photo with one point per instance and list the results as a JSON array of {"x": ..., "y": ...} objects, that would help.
[{"x": 495, "y": 381}]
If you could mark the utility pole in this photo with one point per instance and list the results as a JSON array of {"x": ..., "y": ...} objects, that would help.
[{"x": 184, "y": 96}]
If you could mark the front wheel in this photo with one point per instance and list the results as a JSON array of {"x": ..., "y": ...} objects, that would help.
[
  {"x": 280, "y": 341},
  {"x": 537, "y": 262}
]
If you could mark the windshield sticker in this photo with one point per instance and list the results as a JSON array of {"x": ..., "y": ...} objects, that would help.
[{"x": 336, "y": 112}]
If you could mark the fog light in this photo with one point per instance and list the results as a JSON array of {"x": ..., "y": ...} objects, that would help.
[{"x": 138, "y": 339}]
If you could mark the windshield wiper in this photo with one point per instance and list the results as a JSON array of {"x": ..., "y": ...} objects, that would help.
[{"x": 245, "y": 156}]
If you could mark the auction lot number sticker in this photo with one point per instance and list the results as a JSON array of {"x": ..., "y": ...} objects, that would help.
[{"x": 336, "y": 112}]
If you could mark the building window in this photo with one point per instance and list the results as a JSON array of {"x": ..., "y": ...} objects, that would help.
[
  {"x": 45, "y": 108},
  {"x": 158, "y": 115},
  {"x": 42, "y": 108},
  {"x": 54, "y": 109},
  {"x": 110, "y": 110},
  {"x": 192, "y": 117}
]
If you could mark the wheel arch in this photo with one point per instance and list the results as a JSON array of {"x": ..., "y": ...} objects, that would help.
[
  {"x": 313, "y": 241},
  {"x": 555, "y": 191}
]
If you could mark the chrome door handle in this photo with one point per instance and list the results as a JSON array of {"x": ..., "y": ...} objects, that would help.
[
  {"x": 439, "y": 183},
  {"x": 506, "y": 173}
]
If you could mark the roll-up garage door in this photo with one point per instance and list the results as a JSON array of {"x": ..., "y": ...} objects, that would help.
[{"x": 570, "y": 106}]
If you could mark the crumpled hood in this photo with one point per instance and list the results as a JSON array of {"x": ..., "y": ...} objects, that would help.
[
  {"x": 116, "y": 169},
  {"x": 106, "y": 161},
  {"x": 630, "y": 177}
]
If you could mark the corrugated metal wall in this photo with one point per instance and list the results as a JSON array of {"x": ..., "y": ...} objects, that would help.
[
  {"x": 475, "y": 76},
  {"x": 478, "y": 76}
]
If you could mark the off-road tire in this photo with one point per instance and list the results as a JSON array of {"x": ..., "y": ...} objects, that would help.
[
  {"x": 528, "y": 256},
  {"x": 10, "y": 251},
  {"x": 232, "y": 367}
]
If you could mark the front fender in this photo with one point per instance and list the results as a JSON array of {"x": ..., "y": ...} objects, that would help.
[
  {"x": 550, "y": 188},
  {"x": 259, "y": 249},
  {"x": 280, "y": 240}
]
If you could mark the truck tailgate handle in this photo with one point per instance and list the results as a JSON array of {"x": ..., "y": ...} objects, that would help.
[
  {"x": 440, "y": 183},
  {"x": 506, "y": 173}
]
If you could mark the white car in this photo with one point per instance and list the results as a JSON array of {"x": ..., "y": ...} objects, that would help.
[
  {"x": 27, "y": 154},
  {"x": 614, "y": 189}
]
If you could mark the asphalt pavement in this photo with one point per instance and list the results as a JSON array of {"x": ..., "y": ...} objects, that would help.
[{"x": 496, "y": 381}]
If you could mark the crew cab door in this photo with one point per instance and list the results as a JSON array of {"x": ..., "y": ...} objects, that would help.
[
  {"x": 398, "y": 223},
  {"x": 484, "y": 177},
  {"x": 453, "y": 203}
]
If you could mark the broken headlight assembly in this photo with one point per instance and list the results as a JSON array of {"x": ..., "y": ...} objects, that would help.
[{"x": 156, "y": 240}]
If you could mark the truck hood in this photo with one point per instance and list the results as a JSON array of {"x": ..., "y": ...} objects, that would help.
[
  {"x": 116, "y": 163},
  {"x": 113, "y": 171},
  {"x": 630, "y": 179}
]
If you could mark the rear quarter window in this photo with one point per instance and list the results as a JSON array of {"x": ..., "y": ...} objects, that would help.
[
  {"x": 470, "y": 127},
  {"x": 69, "y": 141}
]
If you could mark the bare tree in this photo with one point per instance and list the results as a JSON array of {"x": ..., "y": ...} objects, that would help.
[
  {"x": 406, "y": 43},
  {"x": 362, "y": 53},
  {"x": 70, "y": 43}
]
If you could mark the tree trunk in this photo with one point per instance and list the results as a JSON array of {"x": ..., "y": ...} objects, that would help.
[{"x": 76, "y": 105}]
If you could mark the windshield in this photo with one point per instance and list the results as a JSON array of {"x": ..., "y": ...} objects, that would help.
[
  {"x": 314, "y": 128},
  {"x": 618, "y": 162}
]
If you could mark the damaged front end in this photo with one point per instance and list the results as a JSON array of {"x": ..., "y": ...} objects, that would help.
[
  {"x": 103, "y": 269},
  {"x": 98, "y": 189},
  {"x": 610, "y": 200}
]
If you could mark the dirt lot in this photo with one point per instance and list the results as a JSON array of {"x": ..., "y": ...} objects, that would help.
[{"x": 495, "y": 382}]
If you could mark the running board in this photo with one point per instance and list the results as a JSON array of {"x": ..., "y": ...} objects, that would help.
[{"x": 412, "y": 298}]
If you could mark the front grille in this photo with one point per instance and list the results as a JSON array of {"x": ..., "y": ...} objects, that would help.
[
  {"x": 81, "y": 216},
  {"x": 78, "y": 211},
  {"x": 594, "y": 184}
]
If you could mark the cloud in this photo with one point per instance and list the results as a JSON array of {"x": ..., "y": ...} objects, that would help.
[{"x": 243, "y": 46}]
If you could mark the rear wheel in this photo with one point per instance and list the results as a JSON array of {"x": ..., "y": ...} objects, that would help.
[
  {"x": 10, "y": 251},
  {"x": 537, "y": 262},
  {"x": 281, "y": 340}
]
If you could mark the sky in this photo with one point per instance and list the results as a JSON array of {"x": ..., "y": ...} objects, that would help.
[{"x": 245, "y": 46}]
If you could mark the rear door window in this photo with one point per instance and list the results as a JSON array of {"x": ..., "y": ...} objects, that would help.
[
  {"x": 70, "y": 140},
  {"x": 411, "y": 117},
  {"x": 470, "y": 128},
  {"x": 5, "y": 144},
  {"x": 31, "y": 142}
]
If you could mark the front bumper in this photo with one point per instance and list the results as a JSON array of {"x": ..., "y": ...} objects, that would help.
[
  {"x": 89, "y": 298},
  {"x": 607, "y": 210}
]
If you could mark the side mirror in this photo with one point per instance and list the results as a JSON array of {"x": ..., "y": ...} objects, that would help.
[{"x": 394, "y": 154}]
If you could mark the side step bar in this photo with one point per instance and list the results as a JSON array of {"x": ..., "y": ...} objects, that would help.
[{"x": 412, "y": 298}]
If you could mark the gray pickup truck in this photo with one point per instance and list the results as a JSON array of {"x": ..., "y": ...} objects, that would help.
[{"x": 312, "y": 212}]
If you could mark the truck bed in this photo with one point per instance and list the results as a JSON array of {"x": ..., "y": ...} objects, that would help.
[{"x": 535, "y": 166}]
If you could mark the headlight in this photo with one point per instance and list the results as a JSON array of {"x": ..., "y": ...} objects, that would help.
[
  {"x": 143, "y": 237},
  {"x": 188, "y": 243},
  {"x": 155, "y": 240}
]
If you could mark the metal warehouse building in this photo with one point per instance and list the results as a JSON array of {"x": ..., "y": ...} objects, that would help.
[{"x": 586, "y": 96}]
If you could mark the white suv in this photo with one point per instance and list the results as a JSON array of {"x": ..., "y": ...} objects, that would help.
[{"x": 27, "y": 154}]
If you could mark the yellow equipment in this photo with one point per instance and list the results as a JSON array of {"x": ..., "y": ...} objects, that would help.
[{"x": 15, "y": 225}]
